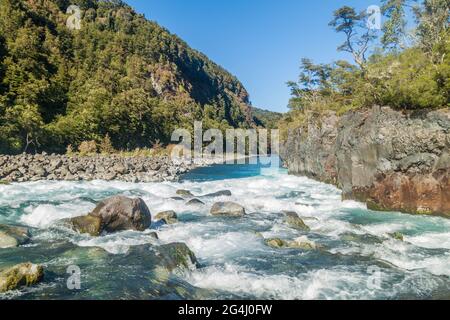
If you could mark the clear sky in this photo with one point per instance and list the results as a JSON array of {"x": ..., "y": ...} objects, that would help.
[{"x": 259, "y": 41}]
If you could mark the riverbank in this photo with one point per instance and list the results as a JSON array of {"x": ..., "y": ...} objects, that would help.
[
  {"x": 392, "y": 160},
  {"x": 27, "y": 167}
]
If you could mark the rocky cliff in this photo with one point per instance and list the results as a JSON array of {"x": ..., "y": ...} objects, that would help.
[{"x": 394, "y": 161}]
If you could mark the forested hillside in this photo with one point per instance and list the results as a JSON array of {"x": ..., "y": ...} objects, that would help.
[{"x": 120, "y": 76}]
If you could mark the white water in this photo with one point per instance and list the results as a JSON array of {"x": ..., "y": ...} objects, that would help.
[{"x": 233, "y": 255}]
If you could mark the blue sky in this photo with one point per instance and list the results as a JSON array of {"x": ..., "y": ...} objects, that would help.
[{"x": 259, "y": 41}]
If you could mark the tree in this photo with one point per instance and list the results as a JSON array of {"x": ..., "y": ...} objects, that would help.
[
  {"x": 358, "y": 35},
  {"x": 433, "y": 19},
  {"x": 394, "y": 29}
]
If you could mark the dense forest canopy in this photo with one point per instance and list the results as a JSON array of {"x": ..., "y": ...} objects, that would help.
[
  {"x": 395, "y": 66},
  {"x": 120, "y": 76}
]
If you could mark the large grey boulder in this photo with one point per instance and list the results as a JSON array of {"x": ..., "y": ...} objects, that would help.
[
  {"x": 22, "y": 275},
  {"x": 230, "y": 209},
  {"x": 11, "y": 236},
  {"x": 121, "y": 213},
  {"x": 114, "y": 214}
]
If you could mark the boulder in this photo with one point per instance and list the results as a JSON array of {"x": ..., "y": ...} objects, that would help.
[
  {"x": 184, "y": 193},
  {"x": 86, "y": 224},
  {"x": 195, "y": 202},
  {"x": 294, "y": 221},
  {"x": 26, "y": 274},
  {"x": 230, "y": 209},
  {"x": 120, "y": 213},
  {"x": 13, "y": 236},
  {"x": 169, "y": 217},
  {"x": 222, "y": 193}
]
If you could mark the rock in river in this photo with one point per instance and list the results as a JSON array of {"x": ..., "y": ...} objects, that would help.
[
  {"x": 184, "y": 193},
  {"x": 25, "y": 274},
  {"x": 114, "y": 214},
  {"x": 13, "y": 236},
  {"x": 302, "y": 243},
  {"x": 169, "y": 217},
  {"x": 195, "y": 202},
  {"x": 121, "y": 213},
  {"x": 294, "y": 221},
  {"x": 230, "y": 209},
  {"x": 222, "y": 193}
]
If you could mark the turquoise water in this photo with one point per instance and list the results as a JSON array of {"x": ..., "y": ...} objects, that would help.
[{"x": 358, "y": 259}]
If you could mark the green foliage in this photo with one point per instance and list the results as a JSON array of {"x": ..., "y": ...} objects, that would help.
[
  {"x": 120, "y": 75},
  {"x": 394, "y": 28},
  {"x": 417, "y": 77},
  {"x": 266, "y": 119}
]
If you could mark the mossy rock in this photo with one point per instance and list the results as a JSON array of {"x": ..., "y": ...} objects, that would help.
[
  {"x": 300, "y": 243},
  {"x": 276, "y": 243},
  {"x": 3, "y": 182},
  {"x": 11, "y": 236},
  {"x": 397, "y": 236},
  {"x": 22, "y": 275},
  {"x": 86, "y": 224},
  {"x": 295, "y": 222}
]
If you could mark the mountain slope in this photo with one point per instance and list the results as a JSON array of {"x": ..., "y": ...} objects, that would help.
[{"x": 120, "y": 75}]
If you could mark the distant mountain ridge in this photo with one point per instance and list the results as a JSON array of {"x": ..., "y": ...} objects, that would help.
[{"x": 120, "y": 75}]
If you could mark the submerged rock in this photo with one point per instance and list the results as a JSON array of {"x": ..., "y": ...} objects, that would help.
[
  {"x": 120, "y": 213},
  {"x": 302, "y": 243},
  {"x": 294, "y": 221},
  {"x": 184, "y": 193},
  {"x": 360, "y": 238},
  {"x": 194, "y": 202},
  {"x": 26, "y": 274},
  {"x": 397, "y": 236},
  {"x": 4, "y": 182},
  {"x": 222, "y": 193},
  {"x": 11, "y": 236},
  {"x": 230, "y": 209},
  {"x": 169, "y": 217},
  {"x": 169, "y": 256}
]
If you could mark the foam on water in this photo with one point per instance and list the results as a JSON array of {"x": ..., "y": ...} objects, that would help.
[{"x": 232, "y": 252}]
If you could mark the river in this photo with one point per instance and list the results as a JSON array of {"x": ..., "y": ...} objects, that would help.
[{"x": 357, "y": 259}]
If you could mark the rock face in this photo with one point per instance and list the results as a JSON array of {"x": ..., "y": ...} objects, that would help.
[
  {"x": 394, "y": 161},
  {"x": 13, "y": 236},
  {"x": 26, "y": 274},
  {"x": 229, "y": 209},
  {"x": 114, "y": 214}
]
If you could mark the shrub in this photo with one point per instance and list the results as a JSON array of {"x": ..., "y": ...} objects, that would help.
[{"x": 87, "y": 148}]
